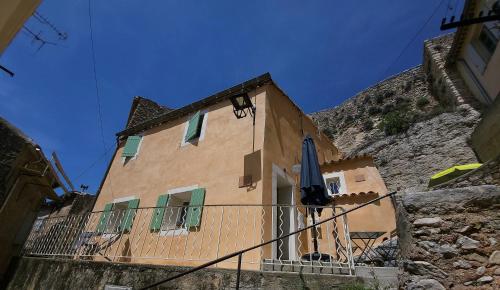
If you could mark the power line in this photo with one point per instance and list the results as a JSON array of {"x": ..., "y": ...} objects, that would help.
[
  {"x": 414, "y": 37},
  {"x": 83, "y": 172},
  {"x": 105, "y": 151},
  {"x": 95, "y": 78}
]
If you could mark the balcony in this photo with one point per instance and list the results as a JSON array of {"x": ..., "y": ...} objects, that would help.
[{"x": 168, "y": 236}]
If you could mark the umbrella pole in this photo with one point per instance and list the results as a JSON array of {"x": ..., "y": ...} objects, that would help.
[{"x": 314, "y": 234}]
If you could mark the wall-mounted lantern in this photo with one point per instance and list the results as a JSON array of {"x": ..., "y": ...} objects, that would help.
[{"x": 241, "y": 105}]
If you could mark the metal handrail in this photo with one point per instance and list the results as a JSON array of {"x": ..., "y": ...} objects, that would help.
[{"x": 241, "y": 252}]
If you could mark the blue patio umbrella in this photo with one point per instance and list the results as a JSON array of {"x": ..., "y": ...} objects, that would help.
[{"x": 312, "y": 189}]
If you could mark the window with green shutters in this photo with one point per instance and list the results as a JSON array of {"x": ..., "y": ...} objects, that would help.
[
  {"x": 118, "y": 217},
  {"x": 194, "y": 127},
  {"x": 129, "y": 215},
  {"x": 131, "y": 146},
  {"x": 103, "y": 220},
  {"x": 158, "y": 213},
  {"x": 195, "y": 210}
]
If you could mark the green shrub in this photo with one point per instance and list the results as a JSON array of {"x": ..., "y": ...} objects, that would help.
[
  {"x": 422, "y": 102},
  {"x": 329, "y": 131},
  {"x": 395, "y": 122},
  {"x": 388, "y": 94},
  {"x": 373, "y": 110},
  {"x": 387, "y": 109},
  {"x": 348, "y": 119},
  {"x": 379, "y": 99},
  {"x": 402, "y": 100},
  {"x": 367, "y": 125}
]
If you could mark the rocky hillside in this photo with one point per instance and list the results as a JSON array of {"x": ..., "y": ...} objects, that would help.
[{"x": 406, "y": 124}]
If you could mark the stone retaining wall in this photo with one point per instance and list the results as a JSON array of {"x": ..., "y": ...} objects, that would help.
[
  {"x": 450, "y": 239},
  {"x": 55, "y": 274}
]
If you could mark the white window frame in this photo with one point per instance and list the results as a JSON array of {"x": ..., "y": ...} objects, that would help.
[
  {"x": 117, "y": 200},
  {"x": 341, "y": 177},
  {"x": 130, "y": 158},
  {"x": 202, "y": 133},
  {"x": 177, "y": 232}
]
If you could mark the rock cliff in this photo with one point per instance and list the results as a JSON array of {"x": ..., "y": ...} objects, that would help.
[{"x": 414, "y": 124}]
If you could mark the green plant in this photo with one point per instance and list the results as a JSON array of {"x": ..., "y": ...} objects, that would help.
[
  {"x": 373, "y": 110},
  {"x": 367, "y": 125},
  {"x": 329, "y": 131},
  {"x": 388, "y": 93},
  {"x": 402, "y": 100},
  {"x": 395, "y": 122},
  {"x": 387, "y": 109},
  {"x": 422, "y": 102},
  {"x": 379, "y": 99}
]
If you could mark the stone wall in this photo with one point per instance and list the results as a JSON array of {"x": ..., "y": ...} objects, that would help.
[
  {"x": 450, "y": 239},
  {"x": 55, "y": 274}
]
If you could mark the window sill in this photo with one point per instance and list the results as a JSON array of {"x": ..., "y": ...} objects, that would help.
[{"x": 171, "y": 233}]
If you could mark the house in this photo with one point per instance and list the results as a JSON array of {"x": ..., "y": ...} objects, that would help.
[
  {"x": 190, "y": 185},
  {"x": 26, "y": 179},
  {"x": 475, "y": 51}
]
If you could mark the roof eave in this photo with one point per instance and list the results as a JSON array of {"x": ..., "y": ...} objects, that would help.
[{"x": 198, "y": 105}]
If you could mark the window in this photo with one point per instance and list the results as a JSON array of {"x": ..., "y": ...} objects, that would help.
[
  {"x": 118, "y": 217},
  {"x": 176, "y": 215},
  {"x": 178, "y": 211},
  {"x": 195, "y": 128},
  {"x": 131, "y": 148},
  {"x": 335, "y": 183},
  {"x": 487, "y": 41}
]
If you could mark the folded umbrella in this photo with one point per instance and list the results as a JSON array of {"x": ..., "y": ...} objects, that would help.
[{"x": 312, "y": 190}]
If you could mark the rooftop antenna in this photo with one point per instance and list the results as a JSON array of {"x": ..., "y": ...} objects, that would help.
[
  {"x": 84, "y": 188},
  {"x": 38, "y": 37},
  {"x": 42, "y": 19}
]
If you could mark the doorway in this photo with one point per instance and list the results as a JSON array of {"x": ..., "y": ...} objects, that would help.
[{"x": 284, "y": 215}]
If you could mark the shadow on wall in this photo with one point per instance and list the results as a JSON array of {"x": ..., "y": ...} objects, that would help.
[{"x": 252, "y": 167}]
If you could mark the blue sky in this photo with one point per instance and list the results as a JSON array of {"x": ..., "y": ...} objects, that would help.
[{"x": 176, "y": 52}]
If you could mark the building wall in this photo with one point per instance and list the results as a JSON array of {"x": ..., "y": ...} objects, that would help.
[
  {"x": 485, "y": 138},
  {"x": 18, "y": 211},
  {"x": 227, "y": 152},
  {"x": 474, "y": 70},
  {"x": 13, "y": 14},
  {"x": 377, "y": 217},
  {"x": 285, "y": 129}
]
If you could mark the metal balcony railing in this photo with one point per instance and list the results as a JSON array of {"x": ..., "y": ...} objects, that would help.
[{"x": 174, "y": 235}]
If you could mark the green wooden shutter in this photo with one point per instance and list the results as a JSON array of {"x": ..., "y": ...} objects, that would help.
[
  {"x": 103, "y": 220},
  {"x": 128, "y": 218},
  {"x": 195, "y": 207},
  {"x": 158, "y": 213},
  {"x": 192, "y": 131},
  {"x": 131, "y": 146}
]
